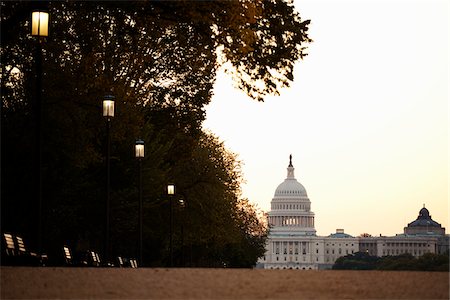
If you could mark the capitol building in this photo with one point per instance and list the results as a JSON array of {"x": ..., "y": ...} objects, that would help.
[{"x": 292, "y": 242}]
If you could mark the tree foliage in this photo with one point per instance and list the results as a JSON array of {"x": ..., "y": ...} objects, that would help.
[
  {"x": 404, "y": 262},
  {"x": 159, "y": 59}
]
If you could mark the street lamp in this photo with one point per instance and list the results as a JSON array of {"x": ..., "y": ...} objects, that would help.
[
  {"x": 171, "y": 189},
  {"x": 139, "y": 147},
  {"x": 139, "y": 150},
  {"x": 171, "y": 192},
  {"x": 108, "y": 106},
  {"x": 39, "y": 29},
  {"x": 108, "y": 113},
  {"x": 39, "y": 23},
  {"x": 182, "y": 205}
]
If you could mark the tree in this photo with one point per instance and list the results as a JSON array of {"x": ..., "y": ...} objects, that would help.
[
  {"x": 160, "y": 60},
  {"x": 356, "y": 261},
  {"x": 365, "y": 235},
  {"x": 404, "y": 262},
  {"x": 251, "y": 232}
]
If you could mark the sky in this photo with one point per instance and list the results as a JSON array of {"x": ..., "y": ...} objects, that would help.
[{"x": 366, "y": 118}]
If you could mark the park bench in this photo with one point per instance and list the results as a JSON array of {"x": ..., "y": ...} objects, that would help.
[
  {"x": 15, "y": 252},
  {"x": 9, "y": 246},
  {"x": 94, "y": 260},
  {"x": 89, "y": 259},
  {"x": 133, "y": 263},
  {"x": 67, "y": 256},
  {"x": 120, "y": 262},
  {"x": 123, "y": 262}
]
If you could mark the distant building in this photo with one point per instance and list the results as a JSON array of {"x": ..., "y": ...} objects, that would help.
[
  {"x": 424, "y": 225},
  {"x": 293, "y": 244},
  {"x": 399, "y": 244}
]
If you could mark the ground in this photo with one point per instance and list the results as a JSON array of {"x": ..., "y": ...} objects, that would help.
[{"x": 102, "y": 283}]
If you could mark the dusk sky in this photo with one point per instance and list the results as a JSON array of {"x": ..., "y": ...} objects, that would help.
[{"x": 366, "y": 118}]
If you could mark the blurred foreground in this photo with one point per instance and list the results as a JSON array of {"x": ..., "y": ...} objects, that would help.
[{"x": 101, "y": 283}]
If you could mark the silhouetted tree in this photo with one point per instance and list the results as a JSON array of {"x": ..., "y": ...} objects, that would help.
[
  {"x": 356, "y": 261},
  {"x": 159, "y": 58},
  {"x": 365, "y": 235},
  {"x": 404, "y": 262}
]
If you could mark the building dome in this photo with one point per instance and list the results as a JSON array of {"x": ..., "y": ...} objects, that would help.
[
  {"x": 424, "y": 220},
  {"x": 291, "y": 209},
  {"x": 290, "y": 187},
  {"x": 424, "y": 213},
  {"x": 424, "y": 224}
]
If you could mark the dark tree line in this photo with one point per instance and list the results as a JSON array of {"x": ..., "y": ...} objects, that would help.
[
  {"x": 159, "y": 59},
  {"x": 403, "y": 262}
]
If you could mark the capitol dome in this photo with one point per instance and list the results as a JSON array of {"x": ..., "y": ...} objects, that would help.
[
  {"x": 290, "y": 186},
  {"x": 290, "y": 212}
]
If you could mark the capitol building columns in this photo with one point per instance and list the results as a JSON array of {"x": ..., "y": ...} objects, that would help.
[{"x": 294, "y": 221}]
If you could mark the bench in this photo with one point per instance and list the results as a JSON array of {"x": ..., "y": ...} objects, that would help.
[
  {"x": 133, "y": 263},
  {"x": 67, "y": 256},
  {"x": 15, "y": 252},
  {"x": 10, "y": 248},
  {"x": 123, "y": 262},
  {"x": 120, "y": 262},
  {"x": 95, "y": 259}
]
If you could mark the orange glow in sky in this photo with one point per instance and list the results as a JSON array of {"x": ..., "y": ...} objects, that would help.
[{"x": 366, "y": 118}]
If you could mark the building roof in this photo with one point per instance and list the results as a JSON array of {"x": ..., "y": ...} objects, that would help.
[
  {"x": 340, "y": 234},
  {"x": 424, "y": 220}
]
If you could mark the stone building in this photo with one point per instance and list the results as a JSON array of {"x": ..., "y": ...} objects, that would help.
[
  {"x": 424, "y": 225},
  {"x": 399, "y": 244},
  {"x": 293, "y": 244}
]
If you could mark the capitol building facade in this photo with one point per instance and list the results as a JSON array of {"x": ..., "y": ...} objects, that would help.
[{"x": 292, "y": 242}]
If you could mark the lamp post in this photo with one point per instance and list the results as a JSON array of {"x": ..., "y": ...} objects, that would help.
[
  {"x": 171, "y": 192},
  {"x": 140, "y": 153},
  {"x": 39, "y": 29},
  {"x": 182, "y": 205},
  {"x": 108, "y": 113}
]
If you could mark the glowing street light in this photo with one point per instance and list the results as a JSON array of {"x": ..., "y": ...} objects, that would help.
[
  {"x": 139, "y": 149},
  {"x": 140, "y": 153},
  {"x": 182, "y": 205},
  {"x": 108, "y": 113},
  {"x": 170, "y": 189},
  {"x": 39, "y": 29},
  {"x": 171, "y": 192},
  {"x": 39, "y": 23},
  {"x": 108, "y": 106}
]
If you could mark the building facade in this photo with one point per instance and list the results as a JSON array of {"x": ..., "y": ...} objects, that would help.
[{"x": 292, "y": 242}]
